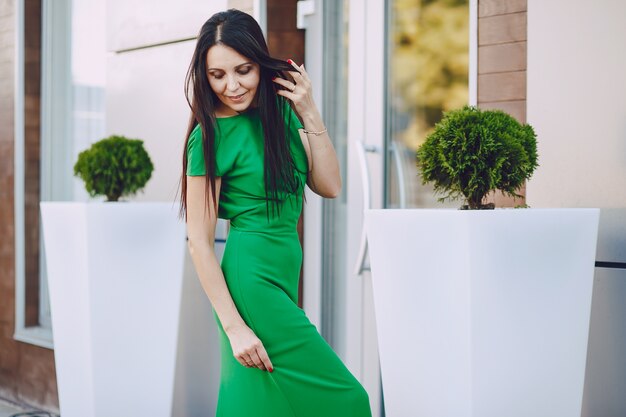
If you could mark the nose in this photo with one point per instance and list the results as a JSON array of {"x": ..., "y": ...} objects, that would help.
[{"x": 232, "y": 84}]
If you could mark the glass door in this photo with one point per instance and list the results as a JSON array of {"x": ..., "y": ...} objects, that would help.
[
  {"x": 384, "y": 71},
  {"x": 427, "y": 74},
  {"x": 335, "y": 299},
  {"x": 409, "y": 61}
]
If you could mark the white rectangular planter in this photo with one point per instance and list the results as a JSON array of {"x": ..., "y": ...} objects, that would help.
[
  {"x": 482, "y": 313},
  {"x": 115, "y": 274}
]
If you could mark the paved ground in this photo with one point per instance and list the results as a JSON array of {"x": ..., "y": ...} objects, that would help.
[{"x": 7, "y": 410}]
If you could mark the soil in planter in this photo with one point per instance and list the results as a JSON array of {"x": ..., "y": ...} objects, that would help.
[{"x": 490, "y": 206}]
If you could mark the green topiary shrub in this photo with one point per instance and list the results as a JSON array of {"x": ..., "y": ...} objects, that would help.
[
  {"x": 472, "y": 152},
  {"x": 115, "y": 166}
]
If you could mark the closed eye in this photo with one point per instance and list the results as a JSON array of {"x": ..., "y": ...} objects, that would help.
[{"x": 243, "y": 71}]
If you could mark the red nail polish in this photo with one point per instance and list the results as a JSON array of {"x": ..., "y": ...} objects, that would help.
[
  {"x": 290, "y": 61},
  {"x": 271, "y": 370},
  {"x": 273, "y": 78}
]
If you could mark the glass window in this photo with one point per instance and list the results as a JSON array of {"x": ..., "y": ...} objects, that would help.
[
  {"x": 63, "y": 76},
  {"x": 335, "y": 210},
  {"x": 427, "y": 67}
]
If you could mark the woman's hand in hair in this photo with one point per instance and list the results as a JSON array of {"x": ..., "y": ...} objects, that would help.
[
  {"x": 324, "y": 176},
  {"x": 299, "y": 91}
]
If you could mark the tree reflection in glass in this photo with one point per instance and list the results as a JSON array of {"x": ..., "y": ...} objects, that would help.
[{"x": 428, "y": 74}]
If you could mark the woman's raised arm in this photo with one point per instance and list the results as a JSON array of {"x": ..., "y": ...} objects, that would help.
[{"x": 324, "y": 174}]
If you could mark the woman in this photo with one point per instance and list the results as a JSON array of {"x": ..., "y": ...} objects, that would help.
[{"x": 247, "y": 159}]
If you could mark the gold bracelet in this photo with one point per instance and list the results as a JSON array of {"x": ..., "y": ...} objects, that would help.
[{"x": 312, "y": 132}]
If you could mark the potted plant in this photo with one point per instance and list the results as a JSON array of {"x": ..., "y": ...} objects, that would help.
[
  {"x": 472, "y": 152},
  {"x": 113, "y": 167},
  {"x": 115, "y": 275},
  {"x": 482, "y": 312}
]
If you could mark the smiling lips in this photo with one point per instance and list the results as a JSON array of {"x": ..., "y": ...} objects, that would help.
[{"x": 237, "y": 99}]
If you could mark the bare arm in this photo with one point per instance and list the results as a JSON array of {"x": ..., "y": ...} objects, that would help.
[
  {"x": 324, "y": 174},
  {"x": 201, "y": 221}
]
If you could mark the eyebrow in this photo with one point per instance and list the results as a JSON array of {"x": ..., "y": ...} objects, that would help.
[{"x": 236, "y": 67}]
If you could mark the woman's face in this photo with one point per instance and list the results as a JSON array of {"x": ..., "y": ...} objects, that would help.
[{"x": 233, "y": 77}]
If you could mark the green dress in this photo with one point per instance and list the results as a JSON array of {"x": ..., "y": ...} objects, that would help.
[{"x": 261, "y": 266}]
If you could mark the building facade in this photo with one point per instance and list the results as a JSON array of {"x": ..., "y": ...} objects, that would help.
[{"x": 73, "y": 71}]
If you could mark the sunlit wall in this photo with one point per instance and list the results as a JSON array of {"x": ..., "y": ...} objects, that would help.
[{"x": 576, "y": 102}]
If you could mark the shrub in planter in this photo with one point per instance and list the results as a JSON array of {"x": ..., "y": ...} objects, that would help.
[
  {"x": 472, "y": 152},
  {"x": 115, "y": 166}
]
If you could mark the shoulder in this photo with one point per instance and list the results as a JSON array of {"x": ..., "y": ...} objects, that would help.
[
  {"x": 194, "y": 143},
  {"x": 195, "y": 137},
  {"x": 195, "y": 152}
]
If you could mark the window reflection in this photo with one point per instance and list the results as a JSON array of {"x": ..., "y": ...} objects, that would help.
[{"x": 428, "y": 74}]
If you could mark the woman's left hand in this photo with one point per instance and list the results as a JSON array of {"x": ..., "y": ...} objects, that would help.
[
  {"x": 299, "y": 92},
  {"x": 324, "y": 175}
]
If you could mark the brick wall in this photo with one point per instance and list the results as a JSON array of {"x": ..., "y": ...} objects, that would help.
[
  {"x": 502, "y": 64},
  {"x": 27, "y": 373},
  {"x": 284, "y": 39},
  {"x": 32, "y": 127}
]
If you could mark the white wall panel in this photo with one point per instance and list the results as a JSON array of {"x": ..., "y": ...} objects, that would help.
[
  {"x": 576, "y": 102},
  {"x": 145, "y": 100},
  {"x": 139, "y": 23}
]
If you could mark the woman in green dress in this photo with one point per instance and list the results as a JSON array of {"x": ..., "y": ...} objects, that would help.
[{"x": 254, "y": 140}]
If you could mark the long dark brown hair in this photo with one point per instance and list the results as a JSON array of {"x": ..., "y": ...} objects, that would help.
[{"x": 242, "y": 33}]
